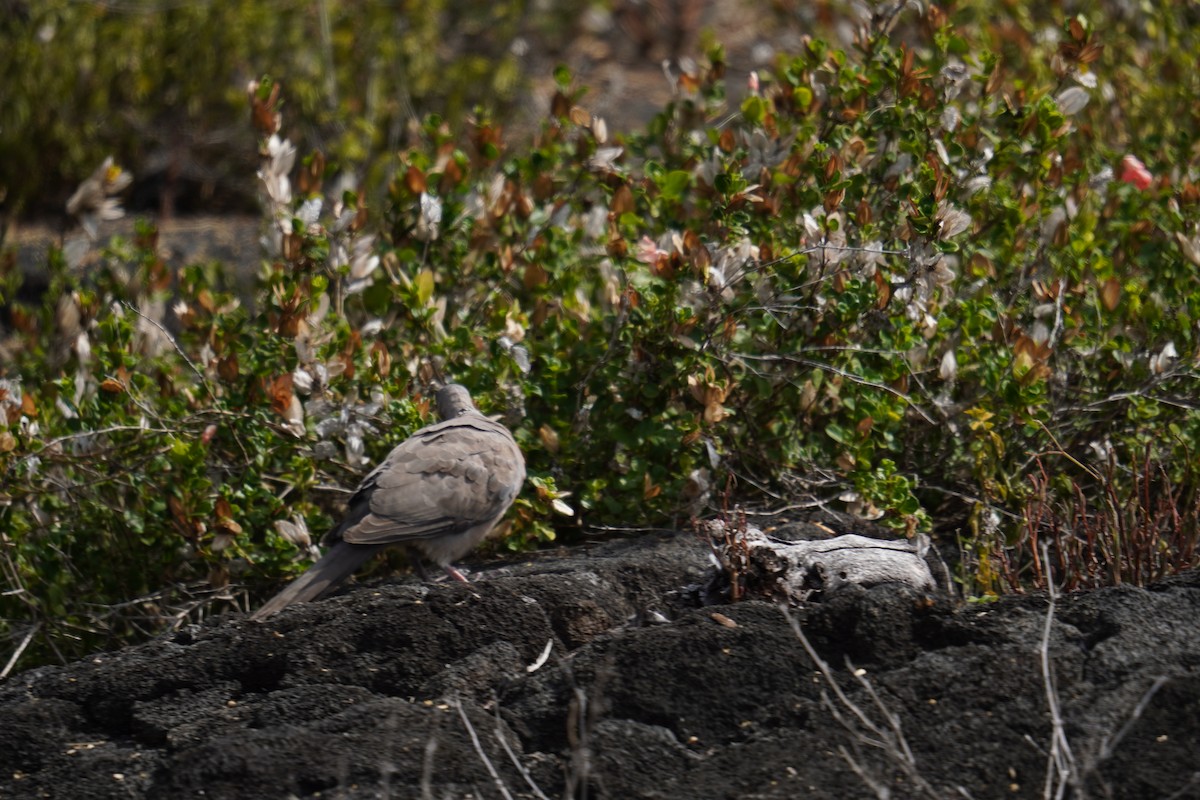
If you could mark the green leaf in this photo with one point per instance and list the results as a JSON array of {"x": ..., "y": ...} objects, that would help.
[
  {"x": 754, "y": 109},
  {"x": 425, "y": 283},
  {"x": 675, "y": 183},
  {"x": 837, "y": 433}
]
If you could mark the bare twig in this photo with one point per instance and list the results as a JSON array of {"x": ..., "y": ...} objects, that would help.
[
  {"x": 12, "y": 661},
  {"x": 516, "y": 762},
  {"x": 175, "y": 344},
  {"x": 850, "y": 376},
  {"x": 1109, "y": 745},
  {"x": 1061, "y": 771},
  {"x": 887, "y": 737},
  {"x": 483, "y": 756}
]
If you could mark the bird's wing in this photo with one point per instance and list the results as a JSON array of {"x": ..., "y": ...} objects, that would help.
[{"x": 445, "y": 479}]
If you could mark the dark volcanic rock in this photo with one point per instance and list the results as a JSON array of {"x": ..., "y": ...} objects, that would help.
[{"x": 405, "y": 689}]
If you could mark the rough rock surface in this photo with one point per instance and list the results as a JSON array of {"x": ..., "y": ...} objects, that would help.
[{"x": 409, "y": 690}]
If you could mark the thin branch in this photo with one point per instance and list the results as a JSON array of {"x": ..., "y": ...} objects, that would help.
[
  {"x": 889, "y": 739},
  {"x": 516, "y": 762},
  {"x": 487, "y": 762},
  {"x": 175, "y": 344},
  {"x": 841, "y": 373},
  {"x": 83, "y": 435},
  {"x": 1060, "y": 761},
  {"x": 12, "y": 661},
  {"x": 1108, "y": 746}
]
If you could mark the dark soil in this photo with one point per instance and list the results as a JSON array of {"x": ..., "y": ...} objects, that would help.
[{"x": 383, "y": 691}]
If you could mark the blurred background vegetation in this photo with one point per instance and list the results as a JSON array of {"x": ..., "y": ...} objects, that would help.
[
  {"x": 929, "y": 265},
  {"x": 160, "y": 85}
]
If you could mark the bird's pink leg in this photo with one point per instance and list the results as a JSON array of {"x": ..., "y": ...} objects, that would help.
[{"x": 455, "y": 574}]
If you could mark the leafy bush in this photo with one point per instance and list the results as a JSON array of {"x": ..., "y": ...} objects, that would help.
[
  {"x": 161, "y": 88},
  {"x": 928, "y": 273}
]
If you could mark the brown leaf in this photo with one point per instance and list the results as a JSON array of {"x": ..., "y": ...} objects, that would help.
[
  {"x": 833, "y": 166},
  {"x": 1090, "y": 52},
  {"x": 883, "y": 290},
  {"x": 414, "y": 179},
  {"x": 535, "y": 276},
  {"x": 549, "y": 438},
  {"x": 580, "y": 116},
  {"x": 1110, "y": 293},
  {"x": 227, "y": 368},
  {"x": 112, "y": 386},
  {"x": 833, "y": 200},
  {"x": 291, "y": 246},
  {"x": 227, "y": 526},
  {"x": 994, "y": 80},
  {"x": 616, "y": 247},
  {"x": 560, "y": 106},
  {"x": 543, "y": 187},
  {"x": 382, "y": 359},
  {"x": 727, "y": 142},
  {"x": 280, "y": 393},
  {"x": 862, "y": 214},
  {"x": 730, "y": 328},
  {"x": 1076, "y": 29},
  {"x": 181, "y": 518},
  {"x": 632, "y": 298},
  {"x": 28, "y": 407},
  {"x": 622, "y": 201},
  {"x": 650, "y": 489}
]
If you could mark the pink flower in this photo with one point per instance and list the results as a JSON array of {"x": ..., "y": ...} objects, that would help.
[
  {"x": 649, "y": 252},
  {"x": 752, "y": 82},
  {"x": 1135, "y": 172}
]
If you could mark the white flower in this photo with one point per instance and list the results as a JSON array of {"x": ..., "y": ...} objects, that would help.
[
  {"x": 1161, "y": 362},
  {"x": 354, "y": 446},
  {"x": 280, "y": 158},
  {"x": 430, "y": 219},
  {"x": 1072, "y": 100},
  {"x": 363, "y": 263},
  {"x": 948, "y": 370},
  {"x": 954, "y": 76},
  {"x": 811, "y": 227},
  {"x": 93, "y": 201},
  {"x": 950, "y": 118},
  {"x": 869, "y": 258},
  {"x": 605, "y": 158},
  {"x": 309, "y": 211},
  {"x": 1189, "y": 246},
  {"x": 10, "y": 394},
  {"x": 730, "y": 264},
  {"x": 83, "y": 348},
  {"x": 302, "y": 381},
  {"x": 976, "y": 184},
  {"x": 951, "y": 221},
  {"x": 761, "y": 153}
]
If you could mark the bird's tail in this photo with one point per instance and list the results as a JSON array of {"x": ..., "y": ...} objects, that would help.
[{"x": 332, "y": 568}]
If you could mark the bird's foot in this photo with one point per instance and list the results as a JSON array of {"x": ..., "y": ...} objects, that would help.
[{"x": 455, "y": 574}]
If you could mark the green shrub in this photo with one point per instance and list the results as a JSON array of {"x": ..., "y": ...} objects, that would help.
[{"x": 913, "y": 275}]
